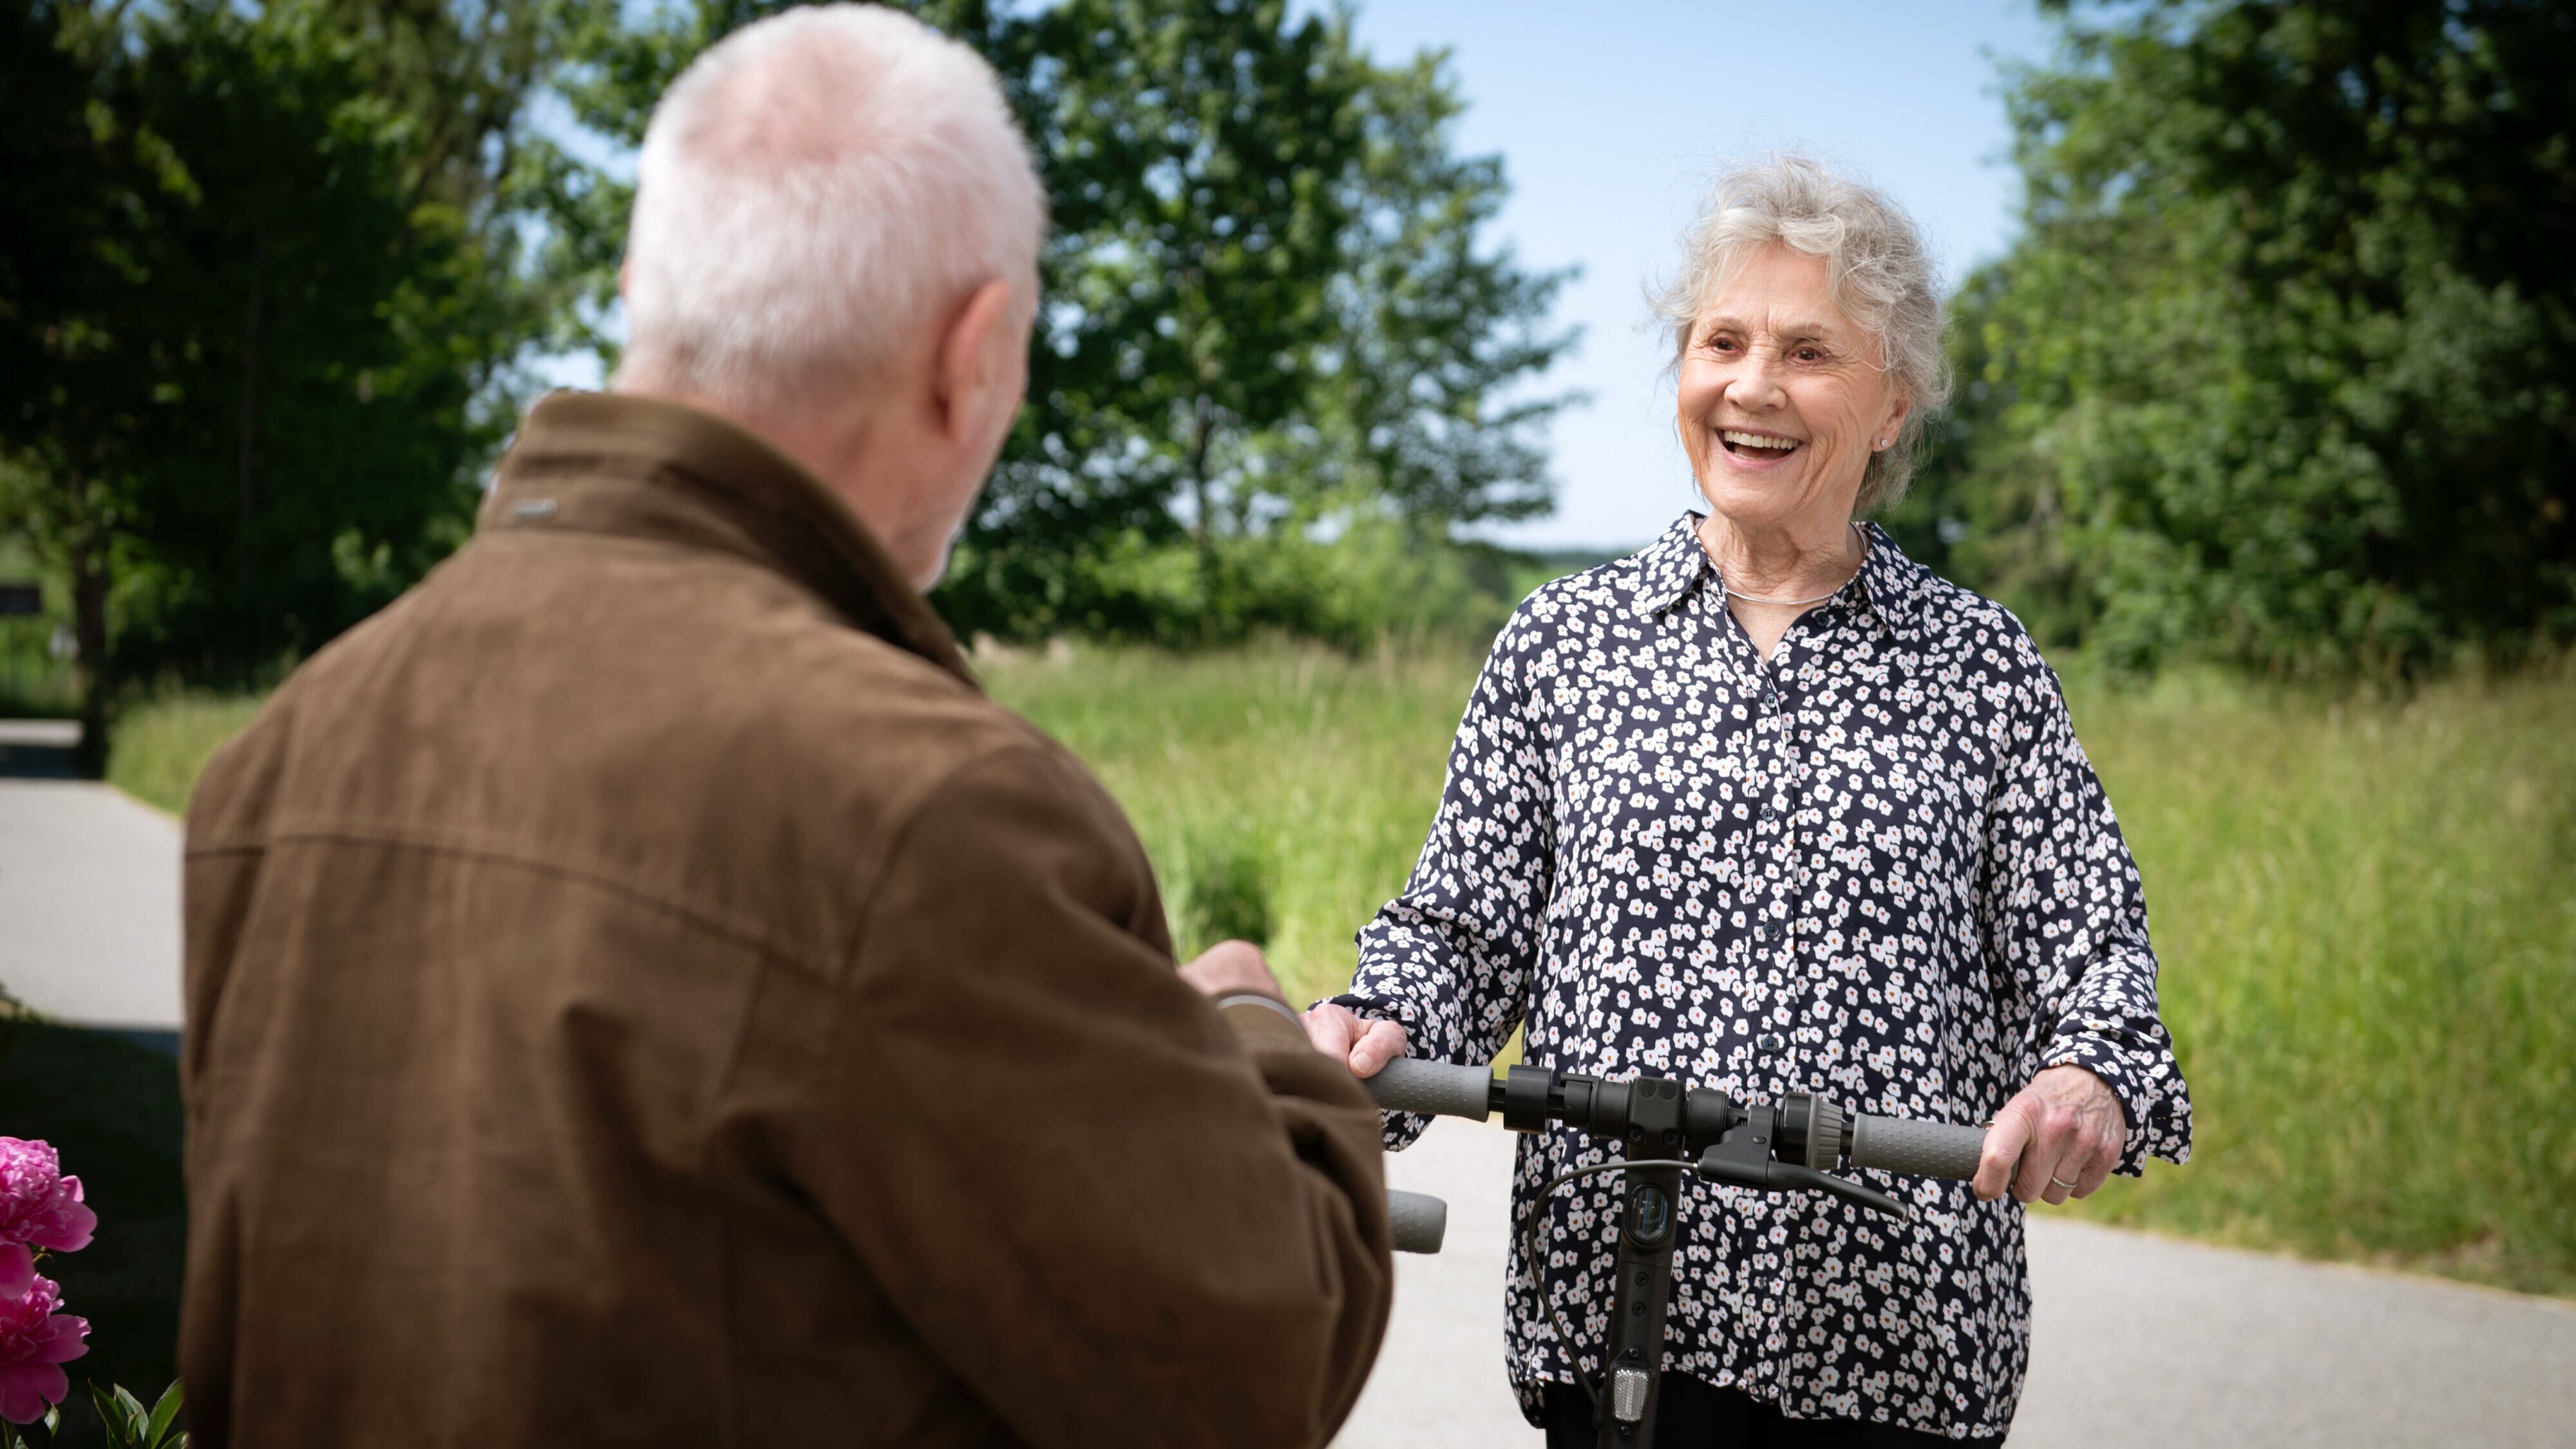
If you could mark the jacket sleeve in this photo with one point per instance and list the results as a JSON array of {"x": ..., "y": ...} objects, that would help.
[
  {"x": 1451, "y": 958},
  {"x": 2062, "y": 910},
  {"x": 1116, "y": 1217}
]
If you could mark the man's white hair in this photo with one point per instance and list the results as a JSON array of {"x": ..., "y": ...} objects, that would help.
[{"x": 811, "y": 190}]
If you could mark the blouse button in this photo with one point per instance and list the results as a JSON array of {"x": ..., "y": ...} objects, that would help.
[{"x": 1772, "y": 1041}]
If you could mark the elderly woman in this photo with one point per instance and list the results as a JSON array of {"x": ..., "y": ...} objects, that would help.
[{"x": 1769, "y": 808}]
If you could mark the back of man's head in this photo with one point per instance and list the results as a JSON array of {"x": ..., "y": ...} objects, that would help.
[{"x": 812, "y": 191}]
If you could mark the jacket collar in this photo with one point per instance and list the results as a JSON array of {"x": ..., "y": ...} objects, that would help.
[
  {"x": 1891, "y": 584},
  {"x": 642, "y": 468}
]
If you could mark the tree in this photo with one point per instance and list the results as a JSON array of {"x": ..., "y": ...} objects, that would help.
[
  {"x": 317, "y": 329},
  {"x": 2281, "y": 367},
  {"x": 1267, "y": 295},
  {"x": 1436, "y": 334},
  {"x": 254, "y": 334},
  {"x": 75, "y": 387},
  {"x": 262, "y": 295}
]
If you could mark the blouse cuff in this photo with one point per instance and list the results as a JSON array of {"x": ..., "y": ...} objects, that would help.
[{"x": 2141, "y": 1103}]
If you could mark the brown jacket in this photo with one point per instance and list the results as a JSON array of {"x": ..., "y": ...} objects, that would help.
[{"x": 641, "y": 992}]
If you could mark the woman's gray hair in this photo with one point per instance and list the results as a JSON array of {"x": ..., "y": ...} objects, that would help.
[{"x": 1882, "y": 278}]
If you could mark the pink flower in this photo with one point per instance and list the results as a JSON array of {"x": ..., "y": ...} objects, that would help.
[
  {"x": 39, "y": 1207},
  {"x": 35, "y": 1342}
]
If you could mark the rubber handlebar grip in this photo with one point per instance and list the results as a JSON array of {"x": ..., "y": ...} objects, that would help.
[
  {"x": 1416, "y": 1221},
  {"x": 1443, "y": 1089},
  {"x": 1928, "y": 1149}
]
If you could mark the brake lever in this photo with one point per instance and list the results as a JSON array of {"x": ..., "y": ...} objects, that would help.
[{"x": 1742, "y": 1158}]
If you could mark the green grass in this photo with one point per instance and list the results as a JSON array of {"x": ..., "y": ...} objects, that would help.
[
  {"x": 2366, "y": 909},
  {"x": 156, "y": 750},
  {"x": 1277, "y": 787},
  {"x": 2366, "y": 913}
]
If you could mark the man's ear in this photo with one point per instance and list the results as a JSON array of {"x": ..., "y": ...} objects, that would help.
[{"x": 970, "y": 370}]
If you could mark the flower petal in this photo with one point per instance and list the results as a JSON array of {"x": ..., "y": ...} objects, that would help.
[
  {"x": 59, "y": 1341},
  {"x": 17, "y": 1271},
  {"x": 26, "y": 1390}
]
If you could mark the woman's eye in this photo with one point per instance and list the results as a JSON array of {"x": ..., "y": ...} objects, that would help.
[{"x": 1809, "y": 354}]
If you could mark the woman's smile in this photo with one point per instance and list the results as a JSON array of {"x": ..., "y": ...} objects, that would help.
[{"x": 1756, "y": 449}]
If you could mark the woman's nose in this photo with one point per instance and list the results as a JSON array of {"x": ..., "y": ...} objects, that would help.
[{"x": 1756, "y": 385}]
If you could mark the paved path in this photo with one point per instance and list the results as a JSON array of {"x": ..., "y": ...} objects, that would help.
[
  {"x": 2137, "y": 1343},
  {"x": 89, "y": 892}
]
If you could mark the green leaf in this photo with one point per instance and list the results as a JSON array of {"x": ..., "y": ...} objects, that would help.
[
  {"x": 164, "y": 1414},
  {"x": 111, "y": 1418}
]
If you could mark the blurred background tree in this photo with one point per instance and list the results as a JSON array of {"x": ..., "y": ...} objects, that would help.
[
  {"x": 262, "y": 294},
  {"x": 2278, "y": 370},
  {"x": 2281, "y": 367},
  {"x": 1279, "y": 353}
]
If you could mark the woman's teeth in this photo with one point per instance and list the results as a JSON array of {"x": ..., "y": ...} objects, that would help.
[{"x": 1758, "y": 442}]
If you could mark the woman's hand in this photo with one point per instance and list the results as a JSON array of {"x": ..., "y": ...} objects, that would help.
[
  {"x": 1346, "y": 1036},
  {"x": 2066, "y": 1131}
]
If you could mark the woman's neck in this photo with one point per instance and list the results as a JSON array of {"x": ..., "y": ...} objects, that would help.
[{"x": 1789, "y": 562}]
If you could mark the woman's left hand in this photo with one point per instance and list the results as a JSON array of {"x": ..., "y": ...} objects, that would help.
[{"x": 2066, "y": 1131}]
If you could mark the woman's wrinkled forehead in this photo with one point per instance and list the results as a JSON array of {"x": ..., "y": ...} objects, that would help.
[{"x": 1778, "y": 292}]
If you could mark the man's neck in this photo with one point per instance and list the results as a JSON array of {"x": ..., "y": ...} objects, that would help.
[{"x": 852, "y": 453}]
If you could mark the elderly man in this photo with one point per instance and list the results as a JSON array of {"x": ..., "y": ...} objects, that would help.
[{"x": 639, "y": 991}]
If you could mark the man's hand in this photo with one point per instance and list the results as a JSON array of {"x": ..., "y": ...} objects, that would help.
[
  {"x": 1346, "y": 1036},
  {"x": 2065, "y": 1129},
  {"x": 1231, "y": 966}
]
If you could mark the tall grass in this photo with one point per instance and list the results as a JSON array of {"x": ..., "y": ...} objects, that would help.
[
  {"x": 157, "y": 749},
  {"x": 2366, "y": 908},
  {"x": 2367, "y": 918},
  {"x": 1278, "y": 786}
]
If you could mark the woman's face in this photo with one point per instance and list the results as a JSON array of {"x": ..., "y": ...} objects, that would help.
[{"x": 1782, "y": 398}]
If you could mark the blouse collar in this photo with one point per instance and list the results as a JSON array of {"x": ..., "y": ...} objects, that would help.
[{"x": 1890, "y": 583}]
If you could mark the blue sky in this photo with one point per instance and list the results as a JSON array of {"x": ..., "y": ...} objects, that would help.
[{"x": 1610, "y": 116}]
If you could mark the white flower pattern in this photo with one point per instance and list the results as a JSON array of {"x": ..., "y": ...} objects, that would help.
[{"x": 1878, "y": 867}]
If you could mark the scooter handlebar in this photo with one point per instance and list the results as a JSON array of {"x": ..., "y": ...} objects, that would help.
[
  {"x": 1417, "y": 1221},
  {"x": 1442, "y": 1089},
  {"x": 1928, "y": 1149}
]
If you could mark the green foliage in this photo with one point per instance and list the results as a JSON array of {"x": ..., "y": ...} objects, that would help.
[
  {"x": 1378, "y": 577},
  {"x": 1270, "y": 317},
  {"x": 163, "y": 744},
  {"x": 2280, "y": 368},
  {"x": 132, "y": 1426},
  {"x": 313, "y": 338},
  {"x": 1228, "y": 896},
  {"x": 2366, "y": 910},
  {"x": 1310, "y": 770},
  {"x": 260, "y": 294}
]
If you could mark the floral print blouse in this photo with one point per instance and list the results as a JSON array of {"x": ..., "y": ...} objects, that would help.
[{"x": 1878, "y": 867}]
